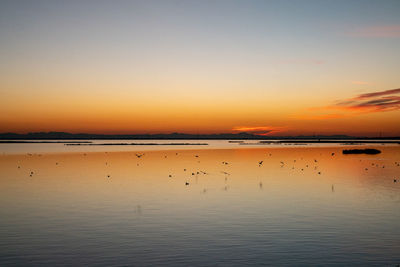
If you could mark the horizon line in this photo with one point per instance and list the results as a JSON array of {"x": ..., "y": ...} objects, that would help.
[{"x": 89, "y": 135}]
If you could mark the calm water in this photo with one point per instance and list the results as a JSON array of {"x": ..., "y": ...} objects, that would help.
[
  {"x": 301, "y": 206},
  {"x": 211, "y": 144}
]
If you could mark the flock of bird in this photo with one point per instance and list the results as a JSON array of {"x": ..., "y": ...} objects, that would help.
[{"x": 282, "y": 164}]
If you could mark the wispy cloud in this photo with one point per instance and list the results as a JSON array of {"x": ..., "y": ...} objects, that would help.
[
  {"x": 382, "y": 31},
  {"x": 260, "y": 130},
  {"x": 379, "y": 93},
  {"x": 379, "y": 101}
]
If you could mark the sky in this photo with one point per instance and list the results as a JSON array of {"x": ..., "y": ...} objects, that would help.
[{"x": 264, "y": 67}]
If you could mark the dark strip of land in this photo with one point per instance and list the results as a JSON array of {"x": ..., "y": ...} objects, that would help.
[
  {"x": 138, "y": 144},
  {"x": 369, "y": 151},
  {"x": 350, "y": 142},
  {"x": 178, "y": 136},
  {"x": 40, "y": 142}
]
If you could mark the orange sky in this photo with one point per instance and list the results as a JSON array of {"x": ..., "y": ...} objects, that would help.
[{"x": 158, "y": 67}]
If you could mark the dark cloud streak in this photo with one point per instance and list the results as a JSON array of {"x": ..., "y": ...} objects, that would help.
[
  {"x": 387, "y": 100},
  {"x": 381, "y": 93}
]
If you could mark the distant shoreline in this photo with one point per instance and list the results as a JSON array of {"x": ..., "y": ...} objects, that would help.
[
  {"x": 136, "y": 144},
  {"x": 241, "y": 143},
  {"x": 41, "y": 142},
  {"x": 350, "y": 142},
  {"x": 57, "y": 136}
]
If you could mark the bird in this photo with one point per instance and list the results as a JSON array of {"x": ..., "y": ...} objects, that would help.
[
  {"x": 187, "y": 183},
  {"x": 139, "y": 155},
  {"x": 260, "y": 163}
]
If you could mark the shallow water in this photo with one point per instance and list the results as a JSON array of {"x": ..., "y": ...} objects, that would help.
[
  {"x": 115, "y": 209},
  {"x": 21, "y": 148}
]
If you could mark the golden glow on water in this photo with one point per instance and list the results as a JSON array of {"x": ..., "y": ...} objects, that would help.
[
  {"x": 287, "y": 172},
  {"x": 107, "y": 202}
]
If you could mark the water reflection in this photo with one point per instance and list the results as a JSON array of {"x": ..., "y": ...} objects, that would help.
[{"x": 300, "y": 206}]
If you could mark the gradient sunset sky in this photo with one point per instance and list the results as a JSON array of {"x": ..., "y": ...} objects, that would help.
[{"x": 266, "y": 67}]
